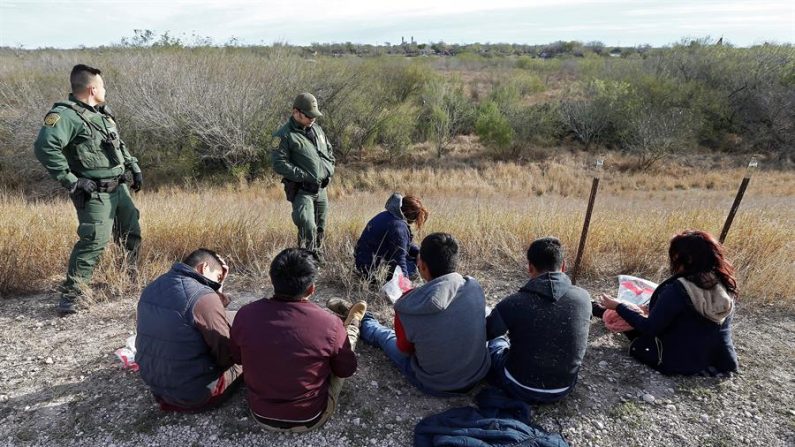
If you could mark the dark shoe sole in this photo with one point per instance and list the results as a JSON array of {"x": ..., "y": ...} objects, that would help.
[{"x": 65, "y": 311}]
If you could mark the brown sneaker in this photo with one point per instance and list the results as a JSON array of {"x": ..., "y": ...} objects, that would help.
[
  {"x": 356, "y": 314},
  {"x": 339, "y": 306}
]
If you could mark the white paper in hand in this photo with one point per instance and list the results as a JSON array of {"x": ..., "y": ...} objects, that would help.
[
  {"x": 634, "y": 290},
  {"x": 396, "y": 286}
]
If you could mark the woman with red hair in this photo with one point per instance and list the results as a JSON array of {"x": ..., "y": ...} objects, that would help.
[
  {"x": 688, "y": 327},
  {"x": 387, "y": 238}
]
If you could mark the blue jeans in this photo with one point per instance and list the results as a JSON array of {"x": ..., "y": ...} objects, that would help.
[
  {"x": 500, "y": 350},
  {"x": 374, "y": 333}
]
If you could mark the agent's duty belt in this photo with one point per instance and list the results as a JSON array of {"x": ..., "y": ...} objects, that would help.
[
  {"x": 314, "y": 188},
  {"x": 109, "y": 185},
  {"x": 310, "y": 187}
]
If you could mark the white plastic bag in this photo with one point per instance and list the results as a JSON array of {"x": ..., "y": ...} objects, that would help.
[
  {"x": 127, "y": 354},
  {"x": 396, "y": 286},
  {"x": 634, "y": 290}
]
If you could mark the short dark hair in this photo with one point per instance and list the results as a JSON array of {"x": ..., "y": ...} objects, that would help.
[
  {"x": 81, "y": 77},
  {"x": 203, "y": 255},
  {"x": 546, "y": 254},
  {"x": 439, "y": 251},
  {"x": 292, "y": 272}
]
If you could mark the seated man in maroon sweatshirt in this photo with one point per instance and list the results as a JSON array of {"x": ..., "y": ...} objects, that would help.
[{"x": 295, "y": 353}]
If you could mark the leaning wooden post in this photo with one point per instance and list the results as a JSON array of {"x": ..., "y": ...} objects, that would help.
[
  {"x": 737, "y": 199},
  {"x": 594, "y": 187}
]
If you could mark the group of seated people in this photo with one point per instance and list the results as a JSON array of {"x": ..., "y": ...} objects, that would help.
[{"x": 294, "y": 355}]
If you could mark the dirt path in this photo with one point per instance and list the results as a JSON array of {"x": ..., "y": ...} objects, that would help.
[{"x": 61, "y": 385}]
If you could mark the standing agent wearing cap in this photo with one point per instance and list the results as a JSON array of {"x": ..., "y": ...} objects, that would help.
[{"x": 306, "y": 161}]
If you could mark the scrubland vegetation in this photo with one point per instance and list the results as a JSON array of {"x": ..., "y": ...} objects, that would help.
[
  {"x": 498, "y": 139},
  {"x": 190, "y": 112}
]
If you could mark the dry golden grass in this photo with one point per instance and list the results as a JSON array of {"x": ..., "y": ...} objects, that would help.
[{"x": 495, "y": 210}]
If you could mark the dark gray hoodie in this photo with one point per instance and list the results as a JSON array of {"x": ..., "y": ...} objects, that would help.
[
  {"x": 445, "y": 320},
  {"x": 547, "y": 322}
]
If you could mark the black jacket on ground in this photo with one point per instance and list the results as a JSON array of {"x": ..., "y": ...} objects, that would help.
[
  {"x": 675, "y": 339},
  {"x": 547, "y": 323}
]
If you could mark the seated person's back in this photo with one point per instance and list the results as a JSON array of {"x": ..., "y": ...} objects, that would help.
[
  {"x": 444, "y": 321},
  {"x": 547, "y": 322},
  {"x": 183, "y": 334},
  {"x": 289, "y": 346},
  {"x": 439, "y": 341}
]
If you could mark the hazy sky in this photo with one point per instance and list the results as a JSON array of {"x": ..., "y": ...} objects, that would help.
[{"x": 72, "y": 23}]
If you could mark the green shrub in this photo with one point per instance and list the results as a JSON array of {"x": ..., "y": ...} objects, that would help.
[
  {"x": 395, "y": 132},
  {"x": 596, "y": 110},
  {"x": 537, "y": 124},
  {"x": 493, "y": 127},
  {"x": 446, "y": 112}
]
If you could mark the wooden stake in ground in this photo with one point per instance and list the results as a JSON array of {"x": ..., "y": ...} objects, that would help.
[
  {"x": 737, "y": 199},
  {"x": 586, "y": 223}
]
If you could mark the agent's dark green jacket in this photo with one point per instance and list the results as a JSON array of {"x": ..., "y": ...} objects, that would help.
[
  {"x": 298, "y": 158},
  {"x": 69, "y": 144}
]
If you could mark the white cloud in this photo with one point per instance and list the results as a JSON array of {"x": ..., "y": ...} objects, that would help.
[
  {"x": 736, "y": 7},
  {"x": 40, "y": 22}
]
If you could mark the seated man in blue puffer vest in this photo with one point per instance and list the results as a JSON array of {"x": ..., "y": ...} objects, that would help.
[{"x": 183, "y": 335}]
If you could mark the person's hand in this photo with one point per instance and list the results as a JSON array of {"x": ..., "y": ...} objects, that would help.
[
  {"x": 138, "y": 181},
  {"x": 607, "y": 302},
  {"x": 83, "y": 184},
  {"x": 224, "y": 270},
  {"x": 225, "y": 299}
]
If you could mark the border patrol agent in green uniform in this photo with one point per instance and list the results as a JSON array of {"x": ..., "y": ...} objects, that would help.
[
  {"x": 305, "y": 159},
  {"x": 79, "y": 145}
]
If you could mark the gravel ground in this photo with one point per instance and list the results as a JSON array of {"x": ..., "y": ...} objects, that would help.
[{"x": 60, "y": 384}]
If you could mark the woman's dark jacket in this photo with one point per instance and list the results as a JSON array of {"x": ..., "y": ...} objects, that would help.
[
  {"x": 386, "y": 239},
  {"x": 677, "y": 339}
]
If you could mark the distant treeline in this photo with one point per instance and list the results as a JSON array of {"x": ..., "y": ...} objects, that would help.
[
  {"x": 407, "y": 47},
  {"x": 189, "y": 111}
]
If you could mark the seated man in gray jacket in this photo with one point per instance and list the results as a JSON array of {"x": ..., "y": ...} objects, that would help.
[
  {"x": 439, "y": 341},
  {"x": 547, "y": 324}
]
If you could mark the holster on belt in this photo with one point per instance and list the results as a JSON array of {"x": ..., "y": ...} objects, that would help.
[
  {"x": 127, "y": 178},
  {"x": 290, "y": 189},
  {"x": 79, "y": 198}
]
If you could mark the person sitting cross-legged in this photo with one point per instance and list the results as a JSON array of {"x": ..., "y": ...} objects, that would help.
[
  {"x": 688, "y": 327},
  {"x": 182, "y": 339},
  {"x": 295, "y": 353},
  {"x": 439, "y": 341},
  {"x": 547, "y": 323}
]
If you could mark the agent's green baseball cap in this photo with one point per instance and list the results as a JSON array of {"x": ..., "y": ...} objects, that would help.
[{"x": 307, "y": 104}]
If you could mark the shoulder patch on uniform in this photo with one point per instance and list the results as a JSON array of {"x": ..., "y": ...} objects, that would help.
[{"x": 51, "y": 119}]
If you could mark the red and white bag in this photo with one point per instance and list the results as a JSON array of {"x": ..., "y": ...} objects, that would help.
[
  {"x": 127, "y": 354},
  {"x": 633, "y": 292},
  {"x": 396, "y": 286}
]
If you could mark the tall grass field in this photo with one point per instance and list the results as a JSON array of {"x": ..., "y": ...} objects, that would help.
[{"x": 494, "y": 210}]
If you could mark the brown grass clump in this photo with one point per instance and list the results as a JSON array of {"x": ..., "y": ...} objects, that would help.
[{"x": 494, "y": 210}]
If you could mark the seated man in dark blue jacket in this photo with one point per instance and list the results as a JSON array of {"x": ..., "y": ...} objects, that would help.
[
  {"x": 547, "y": 323},
  {"x": 183, "y": 335}
]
